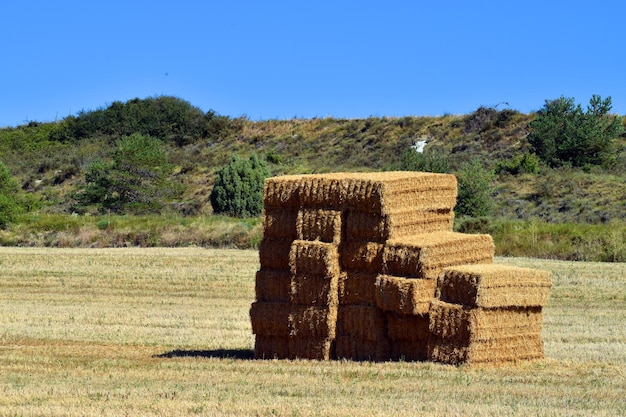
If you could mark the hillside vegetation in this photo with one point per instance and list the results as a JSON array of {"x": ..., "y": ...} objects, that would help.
[{"x": 53, "y": 163}]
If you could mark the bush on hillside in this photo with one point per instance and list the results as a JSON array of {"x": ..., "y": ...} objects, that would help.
[
  {"x": 475, "y": 190},
  {"x": 562, "y": 133},
  {"x": 9, "y": 206},
  {"x": 519, "y": 164},
  {"x": 430, "y": 160},
  {"x": 135, "y": 181},
  {"x": 167, "y": 118},
  {"x": 238, "y": 190}
]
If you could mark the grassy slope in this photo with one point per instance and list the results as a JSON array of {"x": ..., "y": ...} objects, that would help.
[
  {"x": 166, "y": 332},
  {"x": 51, "y": 171}
]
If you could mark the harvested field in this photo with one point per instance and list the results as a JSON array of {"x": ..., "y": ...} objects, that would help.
[{"x": 109, "y": 332}]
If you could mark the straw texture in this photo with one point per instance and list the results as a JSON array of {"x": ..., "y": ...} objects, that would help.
[
  {"x": 365, "y": 266},
  {"x": 494, "y": 285},
  {"x": 357, "y": 288},
  {"x": 363, "y": 256},
  {"x": 319, "y": 224},
  {"x": 273, "y": 285},
  {"x": 403, "y": 295},
  {"x": 424, "y": 256}
]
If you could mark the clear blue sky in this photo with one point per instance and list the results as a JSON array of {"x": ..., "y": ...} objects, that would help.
[{"x": 284, "y": 59}]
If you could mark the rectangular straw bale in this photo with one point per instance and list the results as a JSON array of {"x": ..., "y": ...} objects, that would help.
[
  {"x": 319, "y": 224},
  {"x": 404, "y": 295},
  {"x": 313, "y": 321},
  {"x": 507, "y": 349},
  {"x": 353, "y": 348},
  {"x": 282, "y": 191},
  {"x": 409, "y": 350},
  {"x": 493, "y": 285},
  {"x": 314, "y": 258},
  {"x": 397, "y": 223},
  {"x": 463, "y": 324},
  {"x": 357, "y": 288},
  {"x": 402, "y": 327},
  {"x": 313, "y": 289},
  {"x": 271, "y": 347},
  {"x": 377, "y": 192},
  {"x": 363, "y": 256},
  {"x": 321, "y": 349},
  {"x": 361, "y": 322},
  {"x": 270, "y": 319},
  {"x": 272, "y": 285},
  {"x": 425, "y": 255},
  {"x": 274, "y": 253},
  {"x": 280, "y": 223},
  {"x": 380, "y": 192}
]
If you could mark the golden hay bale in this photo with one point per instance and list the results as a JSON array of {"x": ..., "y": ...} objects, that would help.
[
  {"x": 270, "y": 319},
  {"x": 404, "y": 295},
  {"x": 321, "y": 349},
  {"x": 397, "y": 223},
  {"x": 353, "y": 348},
  {"x": 271, "y": 347},
  {"x": 455, "y": 322},
  {"x": 313, "y": 321},
  {"x": 371, "y": 192},
  {"x": 407, "y": 327},
  {"x": 357, "y": 288},
  {"x": 361, "y": 322},
  {"x": 274, "y": 253},
  {"x": 314, "y": 258},
  {"x": 494, "y": 351},
  {"x": 312, "y": 289},
  {"x": 363, "y": 256},
  {"x": 494, "y": 285},
  {"x": 425, "y": 255},
  {"x": 281, "y": 191},
  {"x": 319, "y": 224},
  {"x": 383, "y": 191},
  {"x": 272, "y": 285},
  {"x": 280, "y": 223}
]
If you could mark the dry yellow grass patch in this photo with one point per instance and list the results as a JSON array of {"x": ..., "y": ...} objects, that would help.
[{"x": 167, "y": 332}]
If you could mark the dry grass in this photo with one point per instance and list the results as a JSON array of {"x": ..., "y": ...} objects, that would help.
[{"x": 81, "y": 331}]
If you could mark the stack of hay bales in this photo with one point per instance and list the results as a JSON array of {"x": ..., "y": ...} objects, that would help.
[
  {"x": 350, "y": 261},
  {"x": 488, "y": 313},
  {"x": 406, "y": 288}
]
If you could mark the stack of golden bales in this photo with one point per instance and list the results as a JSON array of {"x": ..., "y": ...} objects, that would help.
[{"x": 367, "y": 267}]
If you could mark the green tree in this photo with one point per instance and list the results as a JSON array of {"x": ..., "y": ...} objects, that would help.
[
  {"x": 136, "y": 180},
  {"x": 238, "y": 189},
  {"x": 475, "y": 190},
  {"x": 9, "y": 204},
  {"x": 562, "y": 133}
]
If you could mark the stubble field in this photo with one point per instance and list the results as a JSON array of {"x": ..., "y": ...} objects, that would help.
[{"x": 166, "y": 332}]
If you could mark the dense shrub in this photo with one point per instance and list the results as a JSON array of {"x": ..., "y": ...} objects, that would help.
[
  {"x": 519, "y": 164},
  {"x": 164, "y": 117},
  {"x": 238, "y": 189},
  {"x": 475, "y": 190},
  {"x": 562, "y": 133},
  {"x": 431, "y": 160},
  {"x": 9, "y": 205}
]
